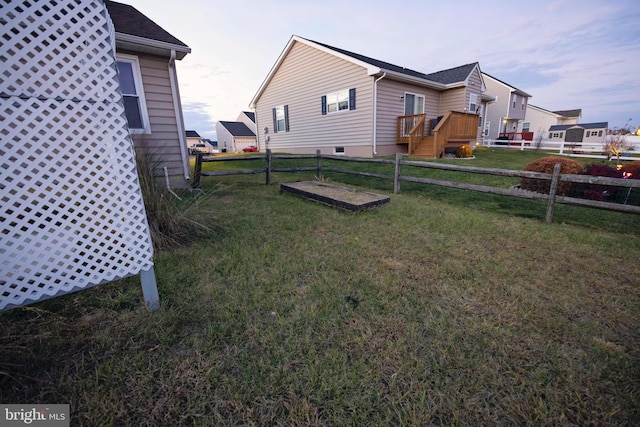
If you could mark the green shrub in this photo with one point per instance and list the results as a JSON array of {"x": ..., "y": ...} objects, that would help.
[
  {"x": 546, "y": 165},
  {"x": 464, "y": 151}
]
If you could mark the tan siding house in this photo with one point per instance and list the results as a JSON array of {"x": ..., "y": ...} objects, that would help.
[
  {"x": 306, "y": 75},
  {"x": 146, "y": 56},
  {"x": 321, "y": 97},
  {"x": 539, "y": 120}
]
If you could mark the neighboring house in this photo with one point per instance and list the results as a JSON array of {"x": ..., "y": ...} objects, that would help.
[
  {"x": 212, "y": 144},
  {"x": 507, "y": 114},
  {"x": 249, "y": 119},
  {"x": 146, "y": 56},
  {"x": 569, "y": 117},
  {"x": 590, "y": 133},
  {"x": 539, "y": 120},
  {"x": 193, "y": 138},
  {"x": 234, "y": 136},
  {"x": 318, "y": 96}
]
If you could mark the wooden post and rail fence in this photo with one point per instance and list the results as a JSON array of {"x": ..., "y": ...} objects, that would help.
[{"x": 551, "y": 198}]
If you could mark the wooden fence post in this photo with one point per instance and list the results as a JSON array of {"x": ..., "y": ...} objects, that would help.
[
  {"x": 319, "y": 165},
  {"x": 268, "y": 168},
  {"x": 197, "y": 171},
  {"x": 552, "y": 193},
  {"x": 396, "y": 175}
]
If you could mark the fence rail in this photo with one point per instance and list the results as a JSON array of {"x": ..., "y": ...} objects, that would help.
[
  {"x": 592, "y": 150},
  {"x": 551, "y": 198}
]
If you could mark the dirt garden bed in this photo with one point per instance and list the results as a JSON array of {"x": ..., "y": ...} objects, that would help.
[{"x": 341, "y": 197}]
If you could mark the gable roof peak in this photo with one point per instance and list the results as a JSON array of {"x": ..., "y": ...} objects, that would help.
[
  {"x": 441, "y": 80},
  {"x": 515, "y": 89},
  {"x": 134, "y": 28}
]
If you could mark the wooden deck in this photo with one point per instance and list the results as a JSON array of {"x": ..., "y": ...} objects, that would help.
[{"x": 425, "y": 140}]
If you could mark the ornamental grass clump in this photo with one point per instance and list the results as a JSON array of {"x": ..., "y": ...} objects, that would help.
[
  {"x": 172, "y": 222},
  {"x": 464, "y": 152},
  {"x": 546, "y": 165}
]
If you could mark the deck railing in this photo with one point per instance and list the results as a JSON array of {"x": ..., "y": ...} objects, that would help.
[
  {"x": 516, "y": 136},
  {"x": 416, "y": 134},
  {"x": 406, "y": 124},
  {"x": 455, "y": 127}
]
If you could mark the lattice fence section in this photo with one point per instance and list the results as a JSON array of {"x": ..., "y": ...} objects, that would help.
[{"x": 71, "y": 213}]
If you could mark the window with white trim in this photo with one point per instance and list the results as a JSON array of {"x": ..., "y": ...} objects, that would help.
[
  {"x": 413, "y": 104},
  {"x": 338, "y": 150},
  {"x": 135, "y": 105},
  {"x": 526, "y": 126},
  {"x": 280, "y": 118},
  {"x": 342, "y": 100},
  {"x": 473, "y": 103}
]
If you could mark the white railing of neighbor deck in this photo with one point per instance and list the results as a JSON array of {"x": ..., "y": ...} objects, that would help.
[{"x": 71, "y": 209}]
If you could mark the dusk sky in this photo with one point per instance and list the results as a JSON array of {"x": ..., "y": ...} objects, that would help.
[{"x": 567, "y": 54}]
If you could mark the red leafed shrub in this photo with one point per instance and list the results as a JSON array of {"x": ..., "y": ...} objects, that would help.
[
  {"x": 597, "y": 191},
  {"x": 601, "y": 169},
  {"x": 546, "y": 165},
  {"x": 633, "y": 168}
]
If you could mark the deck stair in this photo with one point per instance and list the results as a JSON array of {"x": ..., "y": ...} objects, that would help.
[{"x": 430, "y": 138}]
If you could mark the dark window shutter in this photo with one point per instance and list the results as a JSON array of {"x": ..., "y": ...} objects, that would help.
[
  {"x": 352, "y": 99},
  {"x": 275, "y": 124},
  {"x": 286, "y": 118},
  {"x": 324, "y": 105}
]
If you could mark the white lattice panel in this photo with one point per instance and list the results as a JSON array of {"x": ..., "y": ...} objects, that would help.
[{"x": 71, "y": 211}]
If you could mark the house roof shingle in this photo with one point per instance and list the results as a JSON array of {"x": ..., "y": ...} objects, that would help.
[
  {"x": 569, "y": 113},
  {"x": 129, "y": 20},
  {"x": 441, "y": 80},
  {"x": 515, "y": 89},
  {"x": 452, "y": 75},
  {"x": 237, "y": 128},
  {"x": 192, "y": 134},
  {"x": 598, "y": 125},
  {"x": 251, "y": 115}
]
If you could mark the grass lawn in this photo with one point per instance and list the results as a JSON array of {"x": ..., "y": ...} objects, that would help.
[{"x": 443, "y": 307}]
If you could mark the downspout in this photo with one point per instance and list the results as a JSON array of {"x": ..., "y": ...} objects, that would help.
[
  {"x": 175, "y": 94},
  {"x": 375, "y": 113}
]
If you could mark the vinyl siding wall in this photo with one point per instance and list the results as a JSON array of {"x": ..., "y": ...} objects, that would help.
[
  {"x": 498, "y": 109},
  {"x": 305, "y": 75},
  {"x": 540, "y": 121},
  {"x": 163, "y": 141},
  {"x": 475, "y": 87},
  {"x": 453, "y": 100},
  {"x": 391, "y": 106},
  {"x": 225, "y": 139},
  {"x": 517, "y": 112}
]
